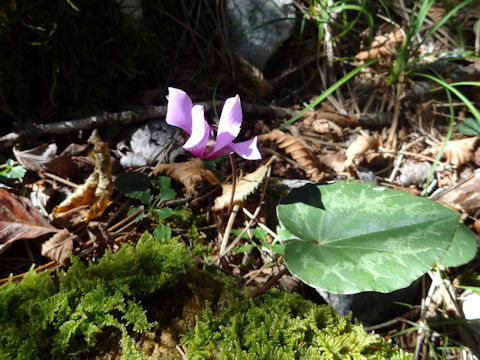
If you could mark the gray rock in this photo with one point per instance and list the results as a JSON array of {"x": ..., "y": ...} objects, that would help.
[
  {"x": 372, "y": 307},
  {"x": 259, "y": 27}
]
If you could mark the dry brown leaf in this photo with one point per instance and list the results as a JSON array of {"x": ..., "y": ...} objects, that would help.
[
  {"x": 98, "y": 234},
  {"x": 59, "y": 247},
  {"x": 19, "y": 219},
  {"x": 338, "y": 119},
  {"x": 45, "y": 158},
  {"x": 334, "y": 160},
  {"x": 95, "y": 192},
  {"x": 384, "y": 46},
  {"x": 324, "y": 126},
  {"x": 464, "y": 196},
  {"x": 36, "y": 158},
  {"x": 476, "y": 156},
  {"x": 192, "y": 174},
  {"x": 298, "y": 150},
  {"x": 457, "y": 152},
  {"x": 359, "y": 147},
  {"x": 244, "y": 187}
]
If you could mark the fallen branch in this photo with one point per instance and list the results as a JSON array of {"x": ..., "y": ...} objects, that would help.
[{"x": 127, "y": 117}]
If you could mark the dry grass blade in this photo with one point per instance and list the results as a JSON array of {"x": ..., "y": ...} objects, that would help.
[
  {"x": 19, "y": 219},
  {"x": 298, "y": 150}
]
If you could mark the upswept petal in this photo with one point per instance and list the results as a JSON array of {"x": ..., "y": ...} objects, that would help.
[
  {"x": 179, "y": 110},
  {"x": 246, "y": 149},
  {"x": 230, "y": 123},
  {"x": 198, "y": 140}
]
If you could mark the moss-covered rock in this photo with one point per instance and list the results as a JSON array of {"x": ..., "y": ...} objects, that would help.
[
  {"x": 141, "y": 301},
  {"x": 280, "y": 325},
  {"x": 43, "y": 316}
]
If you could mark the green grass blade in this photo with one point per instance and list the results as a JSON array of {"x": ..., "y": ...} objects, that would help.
[
  {"x": 451, "y": 87},
  {"x": 405, "y": 51},
  {"x": 443, "y": 21},
  {"x": 327, "y": 92}
]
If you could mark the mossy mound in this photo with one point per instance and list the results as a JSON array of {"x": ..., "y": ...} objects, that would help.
[
  {"x": 43, "y": 316},
  {"x": 139, "y": 302},
  {"x": 283, "y": 326}
]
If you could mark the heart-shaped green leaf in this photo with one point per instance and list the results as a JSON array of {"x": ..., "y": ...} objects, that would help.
[
  {"x": 463, "y": 248},
  {"x": 358, "y": 237}
]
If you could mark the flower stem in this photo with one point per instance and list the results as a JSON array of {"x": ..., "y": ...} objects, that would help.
[{"x": 234, "y": 183}]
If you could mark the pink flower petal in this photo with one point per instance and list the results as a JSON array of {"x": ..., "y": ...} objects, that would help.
[
  {"x": 246, "y": 149},
  {"x": 198, "y": 140},
  {"x": 179, "y": 110},
  {"x": 230, "y": 123}
]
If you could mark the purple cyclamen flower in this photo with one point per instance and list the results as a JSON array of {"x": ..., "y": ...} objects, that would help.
[{"x": 202, "y": 143}]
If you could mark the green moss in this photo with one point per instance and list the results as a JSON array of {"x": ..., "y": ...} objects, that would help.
[
  {"x": 139, "y": 302},
  {"x": 39, "y": 318},
  {"x": 279, "y": 325}
]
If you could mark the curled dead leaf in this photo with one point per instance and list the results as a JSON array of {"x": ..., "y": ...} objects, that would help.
[
  {"x": 359, "y": 147},
  {"x": 298, "y": 150},
  {"x": 244, "y": 187},
  {"x": 19, "y": 219},
  {"x": 324, "y": 126},
  {"x": 36, "y": 158},
  {"x": 350, "y": 120},
  {"x": 384, "y": 46},
  {"x": 95, "y": 192},
  {"x": 192, "y": 174},
  {"x": 59, "y": 247},
  {"x": 334, "y": 160},
  {"x": 457, "y": 152},
  {"x": 45, "y": 158},
  {"x": 464, "y": 196}
]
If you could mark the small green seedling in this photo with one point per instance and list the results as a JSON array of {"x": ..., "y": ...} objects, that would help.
[
  {"x": 137, "y": 186},
  {"x": 12, "y": 171},
  {"x": 276, "y": 245},
  {"x": 354, "y": 237},
  {"x": 469, "y": 126}
]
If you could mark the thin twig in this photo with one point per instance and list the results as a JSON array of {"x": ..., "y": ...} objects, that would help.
[
  {"x": 52, "y": 264},
  {"x": 61, "y": 180},
  {"x": 228, "y": 229},
  {"x": 270, "y": 282},
  {"x": 137, "y": 114}
]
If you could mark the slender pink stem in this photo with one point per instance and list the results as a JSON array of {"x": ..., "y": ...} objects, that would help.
[{"x": 234, "y": 183}]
